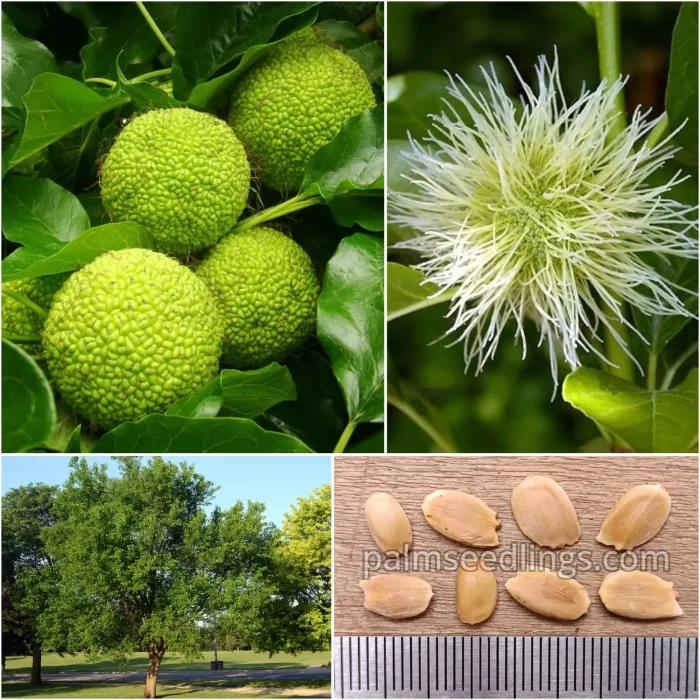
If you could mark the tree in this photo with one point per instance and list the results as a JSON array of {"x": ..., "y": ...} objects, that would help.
[
  {"x": 286, "y": 606},
  {"x": 142, "y": 565},
  {"x": 128, "y": 550},
  {"x": 236, "y": 549},
  {"x": 306, "y": 549},
  {"x": 28, "y": 574}
]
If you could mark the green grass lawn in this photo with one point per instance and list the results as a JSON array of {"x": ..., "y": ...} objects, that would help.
[
  {"x": 202, "y": 689},
  {"x": 53, "y": 663}
]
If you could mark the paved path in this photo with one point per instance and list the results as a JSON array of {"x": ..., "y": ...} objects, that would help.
[{"x": 276, "y": 674}]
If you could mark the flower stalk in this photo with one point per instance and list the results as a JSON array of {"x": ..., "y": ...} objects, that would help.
[
  {"x": 32, "y": 306},
  {"x": 607, "y": 24},
  {"x": 301, "y": 201}
]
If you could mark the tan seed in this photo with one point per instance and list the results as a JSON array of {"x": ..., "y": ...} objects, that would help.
[
  {"x": 639, "y": 595},
  {"x": 477, "y": 593},
  {"x": 462, "y": 517},
  {"x": 396, "y": 596},
  {"x": 544, "y": 512},
  {"x": 388, "y": 524},
  {"x": 546, "y": 593},
  {"x": 636, "y": 517}
]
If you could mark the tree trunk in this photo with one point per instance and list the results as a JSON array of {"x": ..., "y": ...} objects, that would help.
[
  {"x": 36, "y": 663},
  {"x": 155, "y": 656}
]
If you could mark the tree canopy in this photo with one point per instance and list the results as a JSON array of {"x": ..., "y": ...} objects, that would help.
[{"x": 28, "y": 577}]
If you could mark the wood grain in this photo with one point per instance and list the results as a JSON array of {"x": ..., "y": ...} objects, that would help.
[{"x": 593, "y": 483}]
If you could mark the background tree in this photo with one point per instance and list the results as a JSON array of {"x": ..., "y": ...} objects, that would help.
[
  {"x": 28, "y": 575},
  {"x": 286, "y": 606},
  {"x": 236, "y": 546},
  {"x": 306, "y": 549}
]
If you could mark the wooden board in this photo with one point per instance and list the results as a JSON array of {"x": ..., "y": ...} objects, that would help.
[{"x": 593, "y": 483}]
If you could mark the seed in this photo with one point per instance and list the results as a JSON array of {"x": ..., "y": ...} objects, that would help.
[
  {"x": 477, "y": 593},
  {"x": 388, "y": 524},
  {"x": 462, "y": 517},
  {"x": 639, "y": 595},
  {"x": 636, "y": 517},
  {"x": 544, "y": 512},
  {"x": 396, "y": 596},
  {"x": 546, "y": 593}
]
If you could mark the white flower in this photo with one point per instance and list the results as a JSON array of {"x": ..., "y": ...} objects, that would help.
[{"x": 542, "y": 212}]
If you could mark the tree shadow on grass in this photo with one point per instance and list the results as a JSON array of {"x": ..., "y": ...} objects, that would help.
[
  {"x": 20, "y": 689},
  {"x": 218, "y": 689},
  {"x": 140, "y": 665}
]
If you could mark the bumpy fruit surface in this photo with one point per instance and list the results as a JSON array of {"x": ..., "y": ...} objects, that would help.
[
  {"x": 292, "y": 102},
  {"x": 181, "y": 174},
  {"x": 166, "y": 85},
  {"x": 267, "y": 291},
  {"x": 130, "y": 334},
  {"x": 17, "y": 318}
]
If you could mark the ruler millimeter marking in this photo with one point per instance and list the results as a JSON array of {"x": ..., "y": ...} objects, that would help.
[{"x": 512, "y": 667}]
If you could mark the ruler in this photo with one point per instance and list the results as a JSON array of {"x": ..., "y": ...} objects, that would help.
[{"x": 517, "y": 667}]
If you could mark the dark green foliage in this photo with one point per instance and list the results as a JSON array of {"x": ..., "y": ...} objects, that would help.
[{"x": 28, "y": 574}]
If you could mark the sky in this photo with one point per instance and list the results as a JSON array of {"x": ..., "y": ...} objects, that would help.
[{"x": 275, "y": 481}]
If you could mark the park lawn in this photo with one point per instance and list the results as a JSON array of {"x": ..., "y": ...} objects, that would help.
[
  {"x": 53, "y": 663},
  {"x": 198, "y": 689}
]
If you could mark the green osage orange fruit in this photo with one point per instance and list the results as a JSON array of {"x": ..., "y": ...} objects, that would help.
[
  {"x": 267, "y": 290},
  {"x": 19, "y": 319},
  {"x": 293, "y": 101},
  {"x": 129, "y": 334},
  {"x": 183, "y": 175}
]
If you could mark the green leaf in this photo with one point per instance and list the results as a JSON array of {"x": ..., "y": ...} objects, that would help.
[
  {"x": 238, "y": 393},
  {"x": 175, "y": 434},
  {"x": 415, "y": 96},
  {"x": 374, "y": 444},
  {"x": 120, "y": 29},
  {"x": 143, "y": 95},
  {"x": 410, "y": 99},
  {"x": 680, "y": 272},
  {"x": 660, "y": 330},
  {"x": 92, "y": 203},
  {"x": 74, "y": 159},
  {"x": 353, "y": 160},
  {"x": 212, "y": 34},
  {"x": 130, "y": 37},
  {"x": 206, "y": 402},
  {"x": 31, "y": 262},
  {"x": 351, "y": 324},
  {"x": 408, "y": 291},
  {"x": 28, "y": 409},
  {"x": 74, "y": 445},
  {"x": 204, "y": 94},
  {"x": 365, "y": 209},
  {"x": 645, "y": 421},
  {"x": 318, "y": 415},
  {"x": 39, "y": 213},
  {"x": 249, "y": 393},
  {"x": 359, "y": 45},
  {"x": 682, "y": 88},
  {"x": 22, "y": 60},
  {"x": 67, "y": 431},
  {"x": 56, "y": 106},
  {"x": 398, "y": 169}
]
